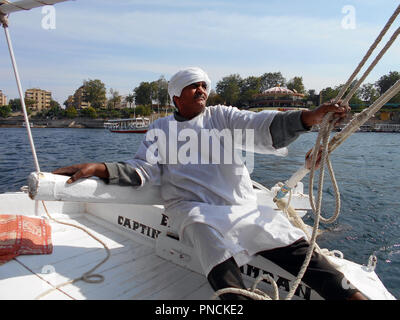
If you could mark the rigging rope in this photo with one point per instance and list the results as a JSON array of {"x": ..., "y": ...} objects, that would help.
[{"x": 327, "y": 147}]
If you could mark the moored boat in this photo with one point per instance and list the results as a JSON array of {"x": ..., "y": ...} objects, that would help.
[{"x": 130, "y": 125}]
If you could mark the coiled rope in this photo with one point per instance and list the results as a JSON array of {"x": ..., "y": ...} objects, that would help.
[{"x": 88, "y": 276}]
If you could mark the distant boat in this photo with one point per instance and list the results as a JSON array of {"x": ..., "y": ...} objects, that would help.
[
  {"x": 30, "y": 124},
  {"x": 130, "y": 125}
]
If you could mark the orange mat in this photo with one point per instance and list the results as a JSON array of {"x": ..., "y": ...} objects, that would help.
[{"x": 23, "y": 235}]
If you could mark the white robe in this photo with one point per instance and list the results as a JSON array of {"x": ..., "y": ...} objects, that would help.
[{"x": 218, "y": 194}]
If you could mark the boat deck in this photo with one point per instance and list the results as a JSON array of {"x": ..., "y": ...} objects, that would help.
[{"x": 133, "y": 270}]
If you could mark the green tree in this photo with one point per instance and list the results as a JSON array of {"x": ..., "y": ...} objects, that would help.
[
  {"x": 71, "y": 112},
  {"x": 249, "y": 87},
  {"x": 55, "y": 111},
  {"x": 5, "y": 111},
  {"x": 15, "y": 104},
  {"x": 272, "y": 79},
  {"x": 331, "y": 93},
  {"x": 130, "y": 98},
  {"x": 328, "y": 94},
  {"x": 386, "y": 81},
  {"x": 95, "y": 91},
  {"x": 143, "y": 94},
  {"x": 296, "y": 84},
  {"x": 229, "y": 89},
  {"x": 369, "y": 93},
  {"x": 89, "y": 112},
  {"x": 143, "y": 110}
]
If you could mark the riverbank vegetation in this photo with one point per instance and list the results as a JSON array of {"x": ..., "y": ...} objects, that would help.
[{"x": 91, "y": 101}]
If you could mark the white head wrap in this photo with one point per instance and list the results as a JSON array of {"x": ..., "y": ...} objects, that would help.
[{"x": 185, "y": 78}]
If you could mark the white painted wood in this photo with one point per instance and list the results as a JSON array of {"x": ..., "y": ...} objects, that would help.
[
  {"x": 133, "y": 271},
  {"x": 139, "y": 268},
  {"x": 53, "y": 187},
  {"x": 18, "y": 283}
]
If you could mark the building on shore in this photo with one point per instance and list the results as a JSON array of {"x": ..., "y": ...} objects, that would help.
[
  {"x": 78, "y": 100},
  {"x": 280, "y": 98},
  {"x": 3, "y": 99},
  {"x": 41, "y": 97}
]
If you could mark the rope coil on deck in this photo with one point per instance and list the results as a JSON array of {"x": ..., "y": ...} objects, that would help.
[{"x": 88, "y": 276}]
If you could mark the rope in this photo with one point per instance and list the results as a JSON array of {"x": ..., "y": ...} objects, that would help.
[
  {"x": 88, "y": 276},
  {"x": 328, "y": 146},
  {"x": 252, "y": 292},
  {"x": 369, "y": 52}
]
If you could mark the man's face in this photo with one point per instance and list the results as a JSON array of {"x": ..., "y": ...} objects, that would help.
[{"x": 192, "y": 100}]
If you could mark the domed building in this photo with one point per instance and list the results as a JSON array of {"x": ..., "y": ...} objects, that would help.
[{"x": 279, "y": 98}]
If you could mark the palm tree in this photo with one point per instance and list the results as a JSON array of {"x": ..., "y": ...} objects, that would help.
[{"x": 130, "y": 98}]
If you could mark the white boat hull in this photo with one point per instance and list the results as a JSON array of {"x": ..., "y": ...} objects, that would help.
[{"x": 143, "y": 225}]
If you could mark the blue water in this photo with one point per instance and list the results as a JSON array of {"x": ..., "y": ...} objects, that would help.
[{"x": 367, "y": 167}]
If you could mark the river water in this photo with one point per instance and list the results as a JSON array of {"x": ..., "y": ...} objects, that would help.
[{"x": 367, "y": 168}]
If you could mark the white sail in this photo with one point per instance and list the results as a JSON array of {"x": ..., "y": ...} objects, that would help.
[{"x": 7, "y": 7}]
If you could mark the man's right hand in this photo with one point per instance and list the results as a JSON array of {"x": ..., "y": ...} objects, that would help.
[{"x": 84, "y": 170}]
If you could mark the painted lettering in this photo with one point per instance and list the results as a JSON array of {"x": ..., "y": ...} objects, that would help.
[{"x": 138, "y": 227}]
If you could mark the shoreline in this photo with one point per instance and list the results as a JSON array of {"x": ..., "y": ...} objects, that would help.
[
  {"x": 87, "y": 123},
  {"x": 83, "y": 123}
]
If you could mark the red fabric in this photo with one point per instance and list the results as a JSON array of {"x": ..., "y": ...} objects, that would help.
[{"x": 23, "y": 235}]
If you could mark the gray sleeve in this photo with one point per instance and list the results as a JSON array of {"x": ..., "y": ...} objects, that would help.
[
  {"x": 286, "y": 127},
  {"x": 122, "y": 174}
]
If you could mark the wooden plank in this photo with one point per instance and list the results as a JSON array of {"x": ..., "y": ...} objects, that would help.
[
  {"x": 133, "y": 270},
  {"x": 189, "y": 282},
  {"x": 117, "y": 279},
  {"x": 205, "y": 292},
  {"x": 18, "y": 283}
]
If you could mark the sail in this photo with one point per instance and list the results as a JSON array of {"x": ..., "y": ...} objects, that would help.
[{"x": 7, "y": 7}]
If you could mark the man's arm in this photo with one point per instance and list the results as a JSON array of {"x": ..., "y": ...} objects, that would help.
[
  {"x": 123, "y": 174},
  {"x": 287, "y": 126},
  {"x": 111, "y": 172}
]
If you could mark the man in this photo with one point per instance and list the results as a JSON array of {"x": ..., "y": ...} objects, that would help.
[{"x": 211, "y": 203}]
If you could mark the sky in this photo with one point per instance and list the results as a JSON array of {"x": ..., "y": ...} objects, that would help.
[{"x": 125, "y": 42}]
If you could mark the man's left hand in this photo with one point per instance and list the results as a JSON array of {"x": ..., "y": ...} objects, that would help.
[{"x": 312, "y": 117}]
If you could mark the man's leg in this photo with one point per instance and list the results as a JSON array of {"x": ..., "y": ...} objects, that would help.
[
  {"x": 227, "y": 275},
  {"x": 320, "y": 275},
  {"x": 211, "y": 249}
]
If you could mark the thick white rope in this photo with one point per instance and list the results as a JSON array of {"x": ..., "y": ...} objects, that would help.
[
  {"x": 252, "y": 292},
  {"x": 371, "y": 67},
  {"x": 368, "y": 54}
]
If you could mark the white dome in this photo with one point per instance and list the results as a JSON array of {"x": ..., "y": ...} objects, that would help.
[{"x": 278, "y": 90}]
